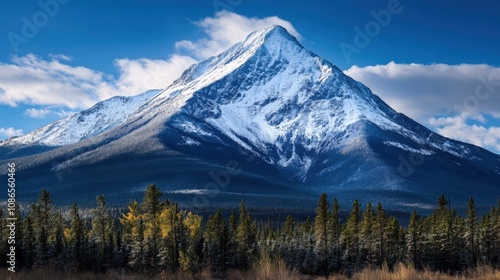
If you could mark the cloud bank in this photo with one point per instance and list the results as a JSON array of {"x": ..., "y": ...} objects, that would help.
[
  {"x": 444, "y": 97},
  {"x": 10, "y": 132},
  {"x": 35, "y": 81}
]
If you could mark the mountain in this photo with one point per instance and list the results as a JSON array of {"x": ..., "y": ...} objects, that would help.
[
  {"x": 103, "y": 116},
  {"x": 269, "y": 121}
]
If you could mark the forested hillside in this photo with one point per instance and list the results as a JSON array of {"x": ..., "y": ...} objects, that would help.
[{"x": 155, "y": 236}]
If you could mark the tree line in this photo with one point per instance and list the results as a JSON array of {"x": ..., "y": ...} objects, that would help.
[{"x": 155, "y": 235}]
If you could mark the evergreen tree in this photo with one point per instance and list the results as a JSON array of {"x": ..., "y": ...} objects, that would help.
[
  {"x": 172, "y": 231},
  {"x": 381, "y": 231},
  {"x": 29, "y": 243},
  {"x": 58, "y": 239},
  {"x": 395, "y": 242},
  {"x": 193, "y": 255},
  {"x": 215, "y": 246},
  {"x": 42, "y": 217},
  {"x": 413, "y": 242},
  {"x": 321, "y": 227},
  {"x": 76, "y": 238},
  {"x": 351, "y": 236},
  {"x": 137, "y": 260},
  {"x": 335, "y": 233},
  {"x": 152, "y": 208},
  {"x": 471, "y": 226},
  {"x": 367, "y": 231},
  {"x": 289, "y": 225},
  {"x": 245, "y": 237},
  {"x": 102, "y": 226},
  {"x": 151, "y": 203}
]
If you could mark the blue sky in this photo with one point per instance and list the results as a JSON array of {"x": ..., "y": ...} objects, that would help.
[{"x": 436, "y": 61}]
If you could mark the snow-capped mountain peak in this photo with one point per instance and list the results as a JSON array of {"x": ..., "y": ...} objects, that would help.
[
  {"x": 101, "y": 117},
  {"x": 299, "y": 118}
]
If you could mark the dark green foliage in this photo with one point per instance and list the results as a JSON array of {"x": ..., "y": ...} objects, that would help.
[{"x": 155, "y": 236}]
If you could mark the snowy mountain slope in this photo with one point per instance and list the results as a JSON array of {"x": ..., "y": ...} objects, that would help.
[
  {"x": 103, "y": 116},
  {"x": 306, "y": 127}
]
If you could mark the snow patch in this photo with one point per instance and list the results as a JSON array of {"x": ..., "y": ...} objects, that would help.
[{"x": 408, "y": 148}]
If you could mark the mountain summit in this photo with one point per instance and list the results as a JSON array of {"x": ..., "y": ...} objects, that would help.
[{"x": 292, "y": 125}]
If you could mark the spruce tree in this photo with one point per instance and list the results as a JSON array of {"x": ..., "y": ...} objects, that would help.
[
  {"x": 381, "y": 231},
  {"x": 335, "y": 232},
  {"x": 413, "y": 241},
  {"x": 76, "y": 238},
  {"x": 29, "y": 243},
  {"x": 42, "y": 216},
  {"x": 58, "y": 239},
  {"x": 367, "y": 231},
  {"x": 351, "y": 236},
  {"x": 137, "y": 259},
  {"x": 215, "y": 246},
  {"x": 151, "y": 203},
  {"x": 245, "y": 237},
  {"x": 321, "y": 230},
  {"x": 471, "y": 227},
  {"x": 102, "y": 226},
  {"x": 152, "y": 208}
]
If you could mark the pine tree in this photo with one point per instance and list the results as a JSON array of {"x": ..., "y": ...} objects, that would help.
[
  {"x": 42, "y": 217},
  {"x": 321, "y": 229},
  {"x": 351, "y": 236},
  {"x": 58, "y": 239},
  {"x": 102, "y": 226},
  {"x": 76, "y": 237},
  {"x": 194, "y": 251},
  {"x": 215, "y": 247},
  {"x": 137, "y": 260},
  {"x": 152, "y": 208},
  {"x": 380, "y": 232},
  {"x": 172, "y": 233},
  {"x": 367, "y": 230},
  {"x": 471, "y": 227},
  {"x": 335, "y": 232},
  {"x": 151, "y": 203},
  {"x": 29, "y": 243},
  {"x": 152, "y": 241},
  {"x": 245, "y": 237},
  {"x": 413, "y": 242},
  {"x": 395, "y": 242},
  {"x": 289, "y": 225}
]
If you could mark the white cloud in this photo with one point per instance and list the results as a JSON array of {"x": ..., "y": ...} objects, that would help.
[
  {"x": 10, "y": 132},
  {"x": 42, "y": 113},
  {"x": 37, "y": 113},
  {"x": 424, "y": 91},
  {"x": 462, "y": 93},
  {"x": 32, "y": 80},
  {"x": 457, "y": 128},
  {"x": 60, "y": 57},
  {"x": 142, "y": 74},
  {"x": 227, "y": 28}
]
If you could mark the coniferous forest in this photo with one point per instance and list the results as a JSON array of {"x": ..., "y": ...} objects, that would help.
[{"x": 155, "y": 238}]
